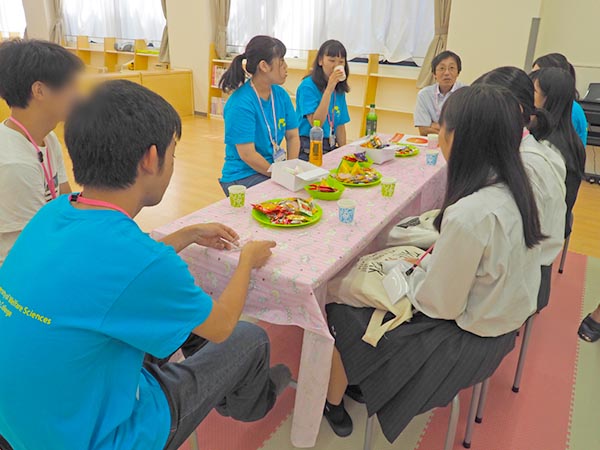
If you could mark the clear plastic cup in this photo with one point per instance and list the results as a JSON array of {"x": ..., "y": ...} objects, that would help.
[
  {"x": 388, "y": 186},
  {"x": 237, "y": 195},
  {"x": 347, "y": 209}
]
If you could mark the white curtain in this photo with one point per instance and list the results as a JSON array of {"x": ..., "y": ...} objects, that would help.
[
  {"x": 397, "y": 29},
  {"x": 12, "y": 17},
  {"x": 127, "y": 19}
]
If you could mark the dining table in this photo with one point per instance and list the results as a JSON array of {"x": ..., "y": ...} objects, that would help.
[{"x": 291, "y": 289}]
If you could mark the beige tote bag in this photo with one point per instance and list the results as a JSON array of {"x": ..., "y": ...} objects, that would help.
[{"x": 361, "y": 286}]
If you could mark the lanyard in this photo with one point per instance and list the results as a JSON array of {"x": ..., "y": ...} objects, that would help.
[
  {"x": 273, "y": 141},
  {"x": 331, "y": 116},
  {"x": 47, "y": 170},
  {"x": 79, "y": 198}
]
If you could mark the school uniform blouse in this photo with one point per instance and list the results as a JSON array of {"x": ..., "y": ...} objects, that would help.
[
  {"x": 547, "y": 173},
  {"x": 580, "y": 122},
  {"x": 245, "y": 123},
  {"x": 481, "y": 274},
  {"x": 308, "y": 98}
]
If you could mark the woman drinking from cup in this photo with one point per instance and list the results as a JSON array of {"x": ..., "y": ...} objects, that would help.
[
  {"x": 322, "y": 96},
  {"x": 258, "y": 115},
  {"x": 471, "y": 294}
]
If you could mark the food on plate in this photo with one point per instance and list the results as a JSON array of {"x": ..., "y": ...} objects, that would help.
[
  {"x": 288, "y": 211},
  {"x": 356, "y": 157},
  {"x": 397, "y": 138},
  {"x": 323, "y": 186},
  {"x": 356, "y": 174},
  {"x": 417, "y": 140},
  {"x": 407, "y": 150},
  {"x": 374, "y": 142}
]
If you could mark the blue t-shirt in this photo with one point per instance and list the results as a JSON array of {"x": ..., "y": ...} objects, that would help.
[
  {"x": 580, "y": 122},
  {"x": 308, "y": 98},
  {"x": 245, "y": 123},
  {"x": 84, "y": 295}
]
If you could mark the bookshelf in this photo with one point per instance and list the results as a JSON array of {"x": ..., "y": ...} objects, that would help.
[
  {"x": 392, "y": 89},
  {"x": 100, "y": 54}
]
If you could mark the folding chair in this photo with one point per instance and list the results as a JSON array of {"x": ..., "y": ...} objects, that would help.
[
  {"x": 476, "y": 410},
  {"x": 450, "y": 435},
  {"x": 565, "y": 249}
]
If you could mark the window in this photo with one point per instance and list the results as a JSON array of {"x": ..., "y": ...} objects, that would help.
[
  {"x": 397, "y": 29},
  {"x": 127, "y": 19},
  {"x": 12, "y": 17}
]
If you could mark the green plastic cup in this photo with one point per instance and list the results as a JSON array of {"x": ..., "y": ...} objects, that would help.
[
  {"x": 388, "y": 186},
  {"x": 237, "y": 195}
]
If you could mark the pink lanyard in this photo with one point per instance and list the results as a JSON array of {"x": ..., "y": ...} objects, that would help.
[
  {"x": 331, "y": 116},
  {"x": 48, "y": 170},
  {"x": 78, "y": 198}
]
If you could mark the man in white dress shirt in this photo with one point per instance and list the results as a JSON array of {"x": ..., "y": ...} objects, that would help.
[{"x": 445, "y": 68}]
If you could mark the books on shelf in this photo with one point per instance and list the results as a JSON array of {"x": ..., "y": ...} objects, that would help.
[
  {"x": 217, "y": 104},
  {"x": 217, "y": 73}
]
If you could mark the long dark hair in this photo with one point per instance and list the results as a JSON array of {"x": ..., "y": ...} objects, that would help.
[
  {"x": 487, "y": 125},
  {"x": 330, "y": 48},
  {"x": 520, "y": 85},
  {"x": 557, "y": 60},
  {"x": 558, "y": 86},
  {"x": 260, "y": 48}
]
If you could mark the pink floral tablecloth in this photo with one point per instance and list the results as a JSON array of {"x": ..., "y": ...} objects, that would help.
[{"x": 291, "y": 288}]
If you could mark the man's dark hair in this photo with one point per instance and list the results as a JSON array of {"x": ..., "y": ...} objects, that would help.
[
  {"x": 108, "y": 134},
  {"x": 445, "y": 55},
  {"x": 23, "y": 62}
]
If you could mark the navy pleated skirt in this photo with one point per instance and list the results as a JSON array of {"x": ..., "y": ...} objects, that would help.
[{"x": 418, "y": 366}]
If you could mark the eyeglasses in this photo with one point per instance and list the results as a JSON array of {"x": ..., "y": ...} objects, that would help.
[{"x": 442, "y": 69}]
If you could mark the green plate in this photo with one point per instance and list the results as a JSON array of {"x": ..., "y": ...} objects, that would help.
[
  {"x": 264, "y": 219},
  {"x": 328, "y": 196},
  {"x": 415, "y": 152},
  {"x": 372, "y": 183}
]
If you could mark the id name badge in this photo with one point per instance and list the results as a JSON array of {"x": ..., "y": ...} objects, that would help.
[
  {"x": 279, "y": 154},
  {"x": 332, "y": 140}
]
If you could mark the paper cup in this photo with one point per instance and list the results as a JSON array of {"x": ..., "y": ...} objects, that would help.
[
  {"x": 432, "y": 141},
  {"x": 347, "y": 208},
  {"x": 342, "y": 69},
  {"x": 388, "y": 186},
  {"x": 237, "y": 195},
  {"x": 432, "y": 157}
]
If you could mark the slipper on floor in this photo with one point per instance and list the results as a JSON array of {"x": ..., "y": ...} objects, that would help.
[{"x": 589, "y": 330}]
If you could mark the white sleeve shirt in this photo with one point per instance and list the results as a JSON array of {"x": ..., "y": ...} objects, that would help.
[
  {"x": 23, "y": 187},
  {"x": 547, "y": 173},
  {"x": 481, "y": 273}
]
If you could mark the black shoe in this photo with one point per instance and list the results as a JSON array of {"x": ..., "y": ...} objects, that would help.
[
  {"x": 354, "y": 392},
  {"x": 338, "y": 418}
]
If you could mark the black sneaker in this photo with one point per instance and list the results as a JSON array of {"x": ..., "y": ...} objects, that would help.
[{"x": 338, "y": 418}]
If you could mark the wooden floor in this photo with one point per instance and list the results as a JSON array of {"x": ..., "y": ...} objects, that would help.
[{"x": 199, "y": 158}]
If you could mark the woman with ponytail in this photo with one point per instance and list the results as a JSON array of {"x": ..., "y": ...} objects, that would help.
[
  {"x": 555, "y": 92},
  {"x": 472, "y": 293},
  {"x": 544, "y": 165},
  {"x": 258, "y": 115}
]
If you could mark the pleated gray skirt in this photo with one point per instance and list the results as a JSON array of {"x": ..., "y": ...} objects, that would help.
[{"x": 418, "y": 366}]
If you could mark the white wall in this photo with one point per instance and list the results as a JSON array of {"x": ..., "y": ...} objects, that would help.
[
  {"x": 38, "y": 14},
  {"x": 571, "y": 28},
  {"x": 489, "y": 34},
  {"x": 190, "y": 35}
]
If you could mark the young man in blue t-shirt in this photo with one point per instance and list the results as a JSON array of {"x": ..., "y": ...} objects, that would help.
[{"x": 91, "y": 307}]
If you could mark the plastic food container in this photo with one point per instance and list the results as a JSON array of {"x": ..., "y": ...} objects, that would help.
[{"x": 380, "y": 156}]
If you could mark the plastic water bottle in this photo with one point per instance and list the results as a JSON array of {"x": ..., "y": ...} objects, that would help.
[
  {"x": 315, "y": 155},
  {"x": 371, "y": 120}
]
